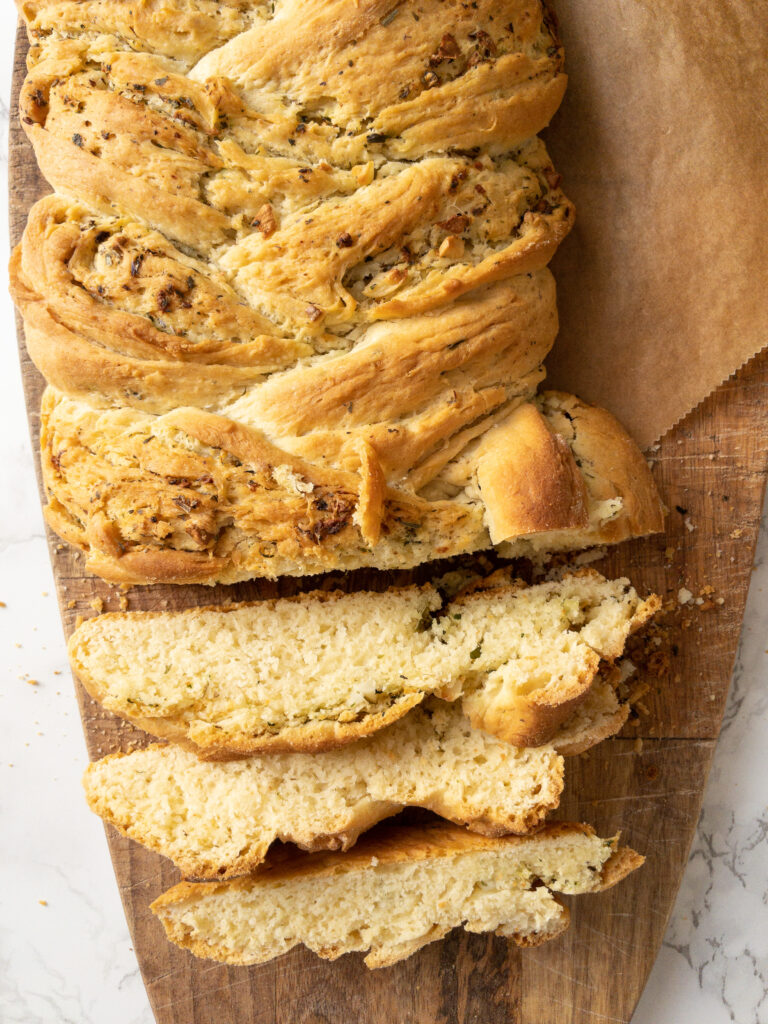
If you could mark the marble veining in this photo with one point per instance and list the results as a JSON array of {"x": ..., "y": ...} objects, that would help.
[{"x": 65, "y": 951}]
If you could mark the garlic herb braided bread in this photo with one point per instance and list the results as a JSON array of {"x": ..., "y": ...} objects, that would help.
[{"x": 293, "y": 310}]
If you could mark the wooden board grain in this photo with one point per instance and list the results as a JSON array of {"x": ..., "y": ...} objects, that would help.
[{"x": 648, "y": 783}]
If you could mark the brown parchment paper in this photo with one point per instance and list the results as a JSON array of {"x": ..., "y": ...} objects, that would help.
[{"x": 661, "y": 141}]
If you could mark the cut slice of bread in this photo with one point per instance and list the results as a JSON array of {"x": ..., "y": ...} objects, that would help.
[
  {"x": 309, "y": 673},
  {"x": 524, "y": 658},
  {"x": 319, "y": 670},
  {"x": 218, "y": 819},
  {"x": 399, "y": 889}
]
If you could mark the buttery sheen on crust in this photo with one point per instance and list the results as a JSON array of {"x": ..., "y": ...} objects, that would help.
[
  {"x": 396, "y": 891},
  {"x": 294, "y": 312},
  {"x": 323, "y": 669}
]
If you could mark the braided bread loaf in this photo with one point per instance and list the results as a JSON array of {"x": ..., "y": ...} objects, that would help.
[{"x": 291, "y": 293}]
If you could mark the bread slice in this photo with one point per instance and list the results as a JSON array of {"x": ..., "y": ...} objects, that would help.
[
  {"x": 522, "y": 659},
  {"x": 319, "y": 670},
  {"x": 218, "y": 819},
  {"x": 309, "y": 672},
  {"x": 398, "y": 890}
]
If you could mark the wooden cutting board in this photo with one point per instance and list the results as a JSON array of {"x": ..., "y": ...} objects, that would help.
[{"x": 712, "y": 472}]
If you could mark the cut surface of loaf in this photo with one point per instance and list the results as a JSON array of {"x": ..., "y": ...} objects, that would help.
[
  {"x": 218, "y": 819},
  {"x": 319, "y": 670},
  {"x": 309, "y": 672},
  {"x": 396, "y": 891},
  {"x": 290, "y": 328},
  {"x": 522, "y": 659}
]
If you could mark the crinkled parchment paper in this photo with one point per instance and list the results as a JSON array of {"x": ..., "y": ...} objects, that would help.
[{"x": 662, "y": 143}]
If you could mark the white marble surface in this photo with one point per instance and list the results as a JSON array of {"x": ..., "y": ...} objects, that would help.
[{"x": 65, "y": 952}]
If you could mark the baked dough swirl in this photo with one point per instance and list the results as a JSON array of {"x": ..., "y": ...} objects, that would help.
[{"x": 291, "y": 291}]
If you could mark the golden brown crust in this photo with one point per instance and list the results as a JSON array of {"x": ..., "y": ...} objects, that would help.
[
  {"x": 528, "y": 479},
  {"x": 621, "y": 863},
  {"x": 616, "y": 466},
  {"x": 213, "y": 508}
]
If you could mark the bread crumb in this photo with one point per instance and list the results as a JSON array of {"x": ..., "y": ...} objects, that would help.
[
  {"x": 43, "y": 903},
  {"x": 32, "y": 682},
  {"x": 123, "y": 604},
  {"x": 735, "y": 534},
  {"x": 684, "y": 596},
  {"x": 638, "y": 744},
  {"x": 3, "y": 604},
  {"x": 71, "y": 604},
  {"x": 97, "y": 604}
]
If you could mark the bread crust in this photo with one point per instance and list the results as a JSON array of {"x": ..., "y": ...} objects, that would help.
[
  {"x": 210, "y": 483},
  {"x": 616, "y": 465},
  {"x": 540, "y": 490}
]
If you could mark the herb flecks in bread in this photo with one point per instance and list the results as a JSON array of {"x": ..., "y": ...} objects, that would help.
[{"x": 323, "y": 669}]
